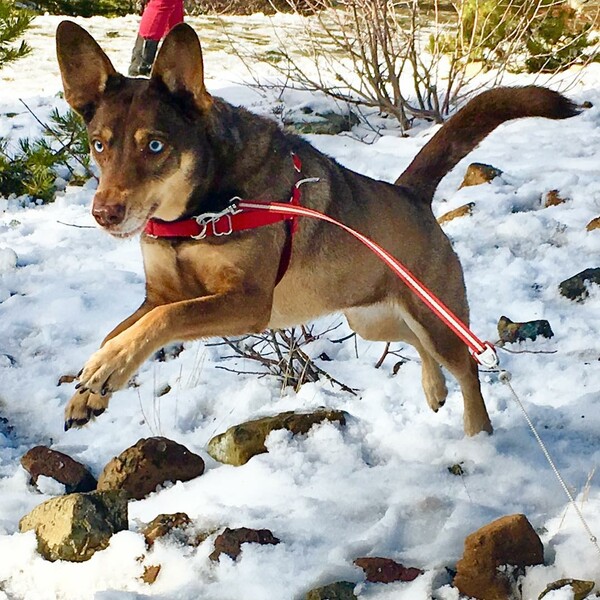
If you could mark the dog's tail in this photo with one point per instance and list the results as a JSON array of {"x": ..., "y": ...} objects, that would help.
[{"x": 470, "y": 125}]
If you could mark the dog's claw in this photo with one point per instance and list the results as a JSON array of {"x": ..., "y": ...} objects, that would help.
[
  {"x": 78, "y": 385},
  {"x": 98, "y": 411},
  {"x": 68, "y": 424}
]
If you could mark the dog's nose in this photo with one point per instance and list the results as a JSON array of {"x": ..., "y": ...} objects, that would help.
[{"x": 109, "y": 214}]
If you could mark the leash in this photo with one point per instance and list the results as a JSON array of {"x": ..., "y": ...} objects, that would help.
[{"x": 483, "y": 352}]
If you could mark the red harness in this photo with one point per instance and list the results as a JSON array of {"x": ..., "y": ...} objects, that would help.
[{"x": 233, "y": 219}]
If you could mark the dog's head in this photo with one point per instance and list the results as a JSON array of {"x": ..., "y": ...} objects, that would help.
[{"x": 145, "y": 135}]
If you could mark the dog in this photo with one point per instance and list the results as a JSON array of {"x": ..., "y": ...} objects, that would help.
[{"x": 169, "y": 152}]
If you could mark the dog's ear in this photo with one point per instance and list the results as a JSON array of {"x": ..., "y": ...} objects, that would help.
[
  {"x": 84, "y": 67},
  {"x": 179, "y": 65}
]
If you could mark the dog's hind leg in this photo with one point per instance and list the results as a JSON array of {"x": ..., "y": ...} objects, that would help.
[
  {"x": 443, "y": 345},
  {"x": 383, "y": 322},
  {"x": 437, "y": 345}
]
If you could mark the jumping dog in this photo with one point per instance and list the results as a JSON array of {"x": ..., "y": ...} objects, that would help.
[{"x": 170, "y": 154}]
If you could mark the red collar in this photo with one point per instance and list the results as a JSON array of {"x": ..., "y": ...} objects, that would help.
[{"x": 212, "y": 223}]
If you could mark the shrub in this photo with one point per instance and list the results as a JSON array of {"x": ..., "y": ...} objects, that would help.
[
  {"x": 85, "y": 8},
  {"x": 247, "y": 7},
  {"x": 547, "y": 35},
  {"x": 34, "y": 167},
  {"x": 13, "y": 24}
]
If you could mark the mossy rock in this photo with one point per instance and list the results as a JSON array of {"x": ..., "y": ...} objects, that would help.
[{"x": 241, "y": 442}]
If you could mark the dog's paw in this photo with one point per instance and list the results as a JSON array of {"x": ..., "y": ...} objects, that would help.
[
  {"x": 83, "y": 407},
  {"x": 110, "y": 368}
]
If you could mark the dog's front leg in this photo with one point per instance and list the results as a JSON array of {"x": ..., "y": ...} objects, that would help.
[
  {"x": 232, "y": 313},
  {"x": 84, "y": 404}
]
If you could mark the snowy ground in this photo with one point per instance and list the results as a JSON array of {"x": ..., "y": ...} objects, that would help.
[{"x": 380, "y": 486}]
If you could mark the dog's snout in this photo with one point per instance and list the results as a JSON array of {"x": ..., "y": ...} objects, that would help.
[{"x": 108, "y": 214}]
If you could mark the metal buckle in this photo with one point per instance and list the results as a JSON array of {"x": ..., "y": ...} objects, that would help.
[{"x": 206, "y": 219}]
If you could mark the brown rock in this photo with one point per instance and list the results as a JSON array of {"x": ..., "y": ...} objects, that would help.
[
  {"x": 478, "y": 173},
  {"x": 149, "y": 463},
  {"x": 509, "y": 540},
  {"x": 553, "y": 198},
  {"x": 593, "y": 224},
  {"x": 76, "y": 526},
  {"x": 461, "y": 211},
  {"x": 230, "y": 541},
  {"x": 164, "y": 525},
  {"x": 510, "y": 332},
  {"x": 386, "y": 570},
  {"x": 150, "y": 573},
  {"x": 241, "y": 442},
  {"x": 42, "y": 460}
]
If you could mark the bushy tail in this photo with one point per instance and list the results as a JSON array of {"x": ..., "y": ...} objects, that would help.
[{"x": 470, "y": 125}]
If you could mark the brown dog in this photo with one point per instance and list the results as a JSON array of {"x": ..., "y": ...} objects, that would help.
[{"x": 168, "y": 150}]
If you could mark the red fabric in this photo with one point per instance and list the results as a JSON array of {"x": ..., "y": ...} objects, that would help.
[
  {"x": 248, "y": 219},
  {"x": 160, "y": 16}
]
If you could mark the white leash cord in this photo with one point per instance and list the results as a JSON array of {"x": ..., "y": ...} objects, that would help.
[{"x": 504, "y": 377}]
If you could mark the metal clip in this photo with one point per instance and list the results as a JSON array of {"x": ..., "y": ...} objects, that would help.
[{"x": 206, "y": 219}]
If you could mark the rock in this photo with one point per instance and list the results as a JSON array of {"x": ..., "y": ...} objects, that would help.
[
  {"x": 150, "y": 573},
  {"x": 149, "y": 463},
  {"x": 163, "y": 525},
  {"x": 230, "y": 541},
  {"x": 553, "y": 198},
  {"x": 478, "y": 173},
  {"x": 575, "y": 288},
  {"x": 42, "y": 460},
  {"x": 75, "y": 526},
  {"x": 593, "y": 224},
  {"x": 510, "y": 540},
  {"x": 461, "y": 211},
  {"x": 581, "y": 589},
  {"x": 241, "y": 442},
  {"x": 386, "y": 570},
  {"x": 511, "y": 332},
  {"x": 328, "y": 123},
  {"x": 341, "y": 590}
]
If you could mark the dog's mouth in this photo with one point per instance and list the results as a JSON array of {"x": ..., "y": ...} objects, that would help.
[{"x": 132, "y": 226}]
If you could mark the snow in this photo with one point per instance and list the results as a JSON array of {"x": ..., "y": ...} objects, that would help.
[{"x": 379, "y": 486}]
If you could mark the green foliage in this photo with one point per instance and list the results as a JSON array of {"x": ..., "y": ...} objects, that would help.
[
  {"x": 86, "y": 8},
  {"x": 13, "y": 24},
  {"x": 546, "y": 35},
  {"x": 33, "y": 168}
]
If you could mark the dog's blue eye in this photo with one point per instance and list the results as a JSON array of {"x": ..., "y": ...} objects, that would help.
[
  {"x": 98, "y": 146},
  {"x": 155, "y": 146}
]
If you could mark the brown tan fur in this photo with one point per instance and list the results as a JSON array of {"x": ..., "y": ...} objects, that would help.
[{"x": 224, "y": 286}]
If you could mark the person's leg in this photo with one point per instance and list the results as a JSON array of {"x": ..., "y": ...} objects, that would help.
[
  {"x": 159, "y": 17},
  {"x": 142, "y": 57}
]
